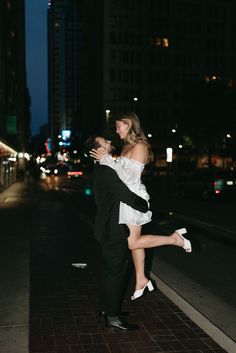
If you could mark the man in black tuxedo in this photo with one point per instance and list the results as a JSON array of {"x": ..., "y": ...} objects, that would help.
[{"x": 109, "y": 190}]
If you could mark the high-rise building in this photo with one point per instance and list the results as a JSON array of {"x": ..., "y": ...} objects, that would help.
[
  {"x": 72, "y": 72},
  {"x": 14, "y": 96},
  {"x": 56, "y": 65},
  {"x": 154, "y": 57}
]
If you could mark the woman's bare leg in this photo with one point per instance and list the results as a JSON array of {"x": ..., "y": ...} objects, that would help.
[
  {"x": 138, "y": 256},
  {"x": 152, "y": 241},
  {"x": 137, "y": 243}
]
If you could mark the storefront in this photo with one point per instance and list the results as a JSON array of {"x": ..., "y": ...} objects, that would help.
[{"x": 8, "y": 165}]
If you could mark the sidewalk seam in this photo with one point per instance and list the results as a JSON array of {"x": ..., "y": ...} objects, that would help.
[{"x": 13, "y": 326}]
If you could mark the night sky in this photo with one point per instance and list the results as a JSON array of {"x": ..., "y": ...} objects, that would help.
[{"x": 36, "y": 60}]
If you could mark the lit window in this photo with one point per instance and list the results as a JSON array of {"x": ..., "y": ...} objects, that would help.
[
  {"x": 157, "y": 41},
  {"x": 165, "y": 42}
]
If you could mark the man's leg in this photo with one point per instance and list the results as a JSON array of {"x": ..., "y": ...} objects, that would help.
[{"x": 116, "y": 257}]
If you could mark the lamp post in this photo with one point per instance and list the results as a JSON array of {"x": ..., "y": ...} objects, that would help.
[
  {"x": 107, "y": 116},
  {"x": 135, "y": 100},
  {"x": 226, "y": 148},
  {"x": 175, "y": 133}
]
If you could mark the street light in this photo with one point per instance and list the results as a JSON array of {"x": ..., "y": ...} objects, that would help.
[
  {"x": 107, "y": 116},
  {"x": 135, "y": 103}
]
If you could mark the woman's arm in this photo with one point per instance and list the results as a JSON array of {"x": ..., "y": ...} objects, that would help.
[
  {"x": 103, "y": 158},
  {"x": 119, "y": 190}
]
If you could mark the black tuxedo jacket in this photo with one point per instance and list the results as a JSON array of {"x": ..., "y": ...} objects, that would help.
[{"x": 109, "y": 190}]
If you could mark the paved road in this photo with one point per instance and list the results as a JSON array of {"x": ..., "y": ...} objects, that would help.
[
  {"x": 64, "y": 299},
  {"x": 206, "y": 277}
]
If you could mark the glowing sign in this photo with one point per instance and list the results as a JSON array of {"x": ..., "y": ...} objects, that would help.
[
  {"x": 65, "y": 135},
  {"x": 65, "y": 138},
  {"x": 169, "y": 154}
]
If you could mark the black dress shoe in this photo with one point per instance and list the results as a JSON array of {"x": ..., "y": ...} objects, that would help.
[{"x": 120, "y": 324}]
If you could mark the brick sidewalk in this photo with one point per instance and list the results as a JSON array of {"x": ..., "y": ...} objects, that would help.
[
  {"x": 15, "y": 233},
  {"x": 64, "y": 299}
]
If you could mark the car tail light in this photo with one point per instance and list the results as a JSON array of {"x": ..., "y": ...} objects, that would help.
[
  {"x": 217, "y": 192},
  {"x": 75, "y": 173}
]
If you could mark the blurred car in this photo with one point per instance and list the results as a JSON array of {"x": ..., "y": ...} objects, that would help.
[
  {"x": 49, "y": 169},
  {"x": 54, "y": 169},
  {"x": 74, "y": 172},
  {"x": 208, "y": 182}
]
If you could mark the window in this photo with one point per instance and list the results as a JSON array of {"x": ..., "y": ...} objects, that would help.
[
  {"x": 165, "y": 42},
  {"x": 159, "y": 42}
]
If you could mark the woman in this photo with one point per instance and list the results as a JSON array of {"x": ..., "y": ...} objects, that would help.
[{"x": 135, "y": 154}]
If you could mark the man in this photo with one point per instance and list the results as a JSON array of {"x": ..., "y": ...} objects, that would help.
[{"x": 109, "y": 190}]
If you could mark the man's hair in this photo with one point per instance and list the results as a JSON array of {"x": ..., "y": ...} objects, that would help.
[{"x": 91, "y": 143}]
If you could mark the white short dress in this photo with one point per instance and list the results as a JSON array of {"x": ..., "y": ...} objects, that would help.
[{"x": 129, "y": 171}]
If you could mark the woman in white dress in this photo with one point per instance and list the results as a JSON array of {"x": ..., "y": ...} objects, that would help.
[{"x": 135, "y": 154}]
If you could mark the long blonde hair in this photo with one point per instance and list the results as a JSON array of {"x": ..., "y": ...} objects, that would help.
[{"x": 135, "y": 133}]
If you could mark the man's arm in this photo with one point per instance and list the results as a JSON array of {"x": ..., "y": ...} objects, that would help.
[{"x": 120, "y": 191}]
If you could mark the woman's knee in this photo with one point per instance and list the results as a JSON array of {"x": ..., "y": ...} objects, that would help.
[
  {"x": 132, "y": 243},
  {"x": 133, "y": 239}
]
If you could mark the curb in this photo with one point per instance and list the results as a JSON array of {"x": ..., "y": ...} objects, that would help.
[{"x": 206, "y": 325}]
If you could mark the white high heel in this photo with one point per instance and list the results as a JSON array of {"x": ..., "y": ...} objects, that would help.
[
  {"x": 139, "y": 292},
  {"x": 187, "y": 244}
]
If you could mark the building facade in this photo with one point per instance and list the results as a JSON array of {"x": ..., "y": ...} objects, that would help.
[
  {"x": 14, "y": 96},
  {"x": 72, "y": 68},
  {"x": 158, "y": 58}
]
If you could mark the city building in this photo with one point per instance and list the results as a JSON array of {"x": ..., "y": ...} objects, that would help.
[
  {"x": 14, "y": 96},
  {"x": 162, "y": 59},
  {"x": 71, "y": 67}
]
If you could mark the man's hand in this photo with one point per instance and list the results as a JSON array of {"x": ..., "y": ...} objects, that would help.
[{"x": 97, "y": 155}]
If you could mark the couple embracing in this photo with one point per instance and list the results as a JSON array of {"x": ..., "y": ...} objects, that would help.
[{"x": 122, "y": 208}]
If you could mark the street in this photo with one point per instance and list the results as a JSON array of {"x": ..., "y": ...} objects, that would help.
[
  {"x": 54, "y": 305},
  {"x": 206, "y": 277}
]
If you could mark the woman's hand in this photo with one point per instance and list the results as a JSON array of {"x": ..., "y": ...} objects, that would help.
[{"x": 97, "y": 155}]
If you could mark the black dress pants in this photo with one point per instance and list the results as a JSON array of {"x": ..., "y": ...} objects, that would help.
[{"x": 117, "y": 266}]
